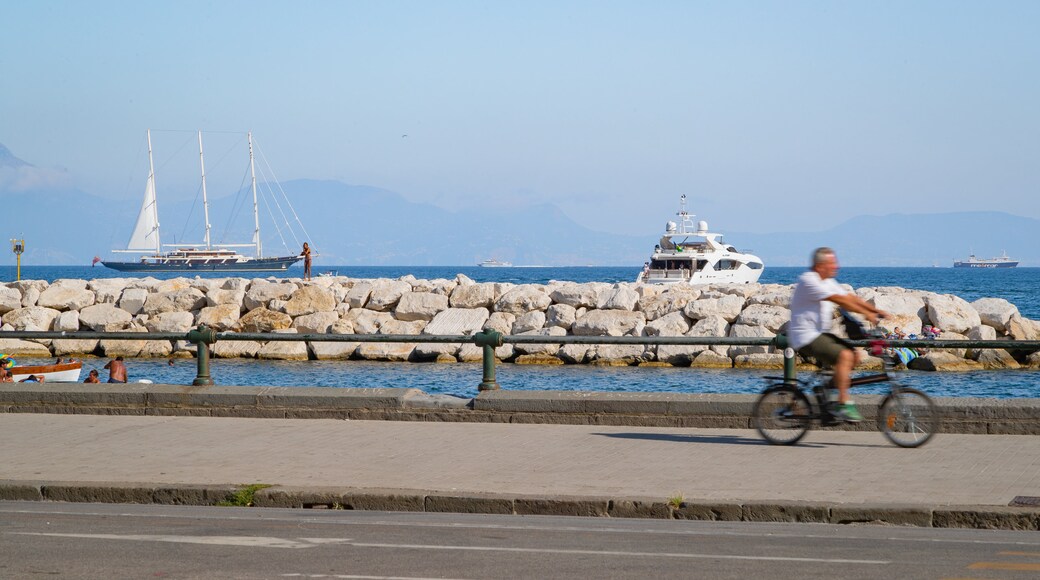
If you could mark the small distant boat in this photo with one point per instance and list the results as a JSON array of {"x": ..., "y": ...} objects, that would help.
[
  {"x": 493, "y": 263},
  {"x": 329, "y": 273},
  {"x": 690, "y": 254},
  {"x": 1002, "y": 261},
  {"x": 65, "y": 372}
]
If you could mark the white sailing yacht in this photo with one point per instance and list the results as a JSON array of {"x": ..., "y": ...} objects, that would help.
[{"x": 206, "y": 257}]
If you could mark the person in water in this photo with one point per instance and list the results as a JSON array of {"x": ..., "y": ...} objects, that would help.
[
  {"x": 92, "y": 377},
  {"x": 116, "y": 370}
]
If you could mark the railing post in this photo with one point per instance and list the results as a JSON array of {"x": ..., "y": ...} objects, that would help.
[
  {"x": 490, "y": 340},
  {"x": 203, "y": 336},
  {"x": 790, "y": 372}
]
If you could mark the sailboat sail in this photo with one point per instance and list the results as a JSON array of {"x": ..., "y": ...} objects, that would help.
[{"x": 145, "y": 237}]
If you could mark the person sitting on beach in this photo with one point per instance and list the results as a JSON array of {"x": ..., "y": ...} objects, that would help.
[
  {"x": 92, "y": 377},
  {"x": 116, "y": 370}
]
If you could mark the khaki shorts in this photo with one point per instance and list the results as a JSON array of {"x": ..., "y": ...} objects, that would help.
[{"x": 825, "y": 349}]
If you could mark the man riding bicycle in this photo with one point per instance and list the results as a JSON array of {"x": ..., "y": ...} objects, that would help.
[{"x": 812, "y": 314}]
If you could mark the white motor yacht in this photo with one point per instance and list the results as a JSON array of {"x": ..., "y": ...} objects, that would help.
[{"x": 690, "y": 254}]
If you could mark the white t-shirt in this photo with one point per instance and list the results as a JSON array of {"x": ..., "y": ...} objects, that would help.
[{"x": 811, "y": 312}]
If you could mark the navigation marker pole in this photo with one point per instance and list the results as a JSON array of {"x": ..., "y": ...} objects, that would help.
[{"x": 18, "y": 246}]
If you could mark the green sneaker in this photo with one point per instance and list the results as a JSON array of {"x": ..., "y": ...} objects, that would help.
[{"x": 849, "y": 413}]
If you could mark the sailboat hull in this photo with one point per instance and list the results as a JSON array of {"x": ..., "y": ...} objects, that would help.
[{"x": 240, "y": 264}]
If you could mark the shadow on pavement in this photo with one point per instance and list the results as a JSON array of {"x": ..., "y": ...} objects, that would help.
[{"x": 731, "y": 440}]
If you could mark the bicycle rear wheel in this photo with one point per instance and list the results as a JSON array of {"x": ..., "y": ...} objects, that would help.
[
  {"x": 782, "y": 415},
  {"x": 908, "y": 417}
]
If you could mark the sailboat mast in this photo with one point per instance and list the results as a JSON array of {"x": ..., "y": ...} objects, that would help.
[
  {"x": 256, "y": 209},
  {"x": 205, "y": 201},
  {"x": 155, "y": 201}
]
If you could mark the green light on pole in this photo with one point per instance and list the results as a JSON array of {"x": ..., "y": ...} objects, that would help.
[{"x": 18, "y": 246}]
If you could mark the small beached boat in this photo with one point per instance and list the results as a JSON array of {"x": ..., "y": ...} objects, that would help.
[{"x": 65, "y": 372}]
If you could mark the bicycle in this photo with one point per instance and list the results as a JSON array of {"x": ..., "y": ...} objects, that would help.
[{"x": 785, "y": 412}]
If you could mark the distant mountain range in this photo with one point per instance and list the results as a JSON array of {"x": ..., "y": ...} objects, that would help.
[{"x": 362, "y": 225}]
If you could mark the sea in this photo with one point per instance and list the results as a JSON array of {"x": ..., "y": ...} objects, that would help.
[{"x": 1020, "y": 286}]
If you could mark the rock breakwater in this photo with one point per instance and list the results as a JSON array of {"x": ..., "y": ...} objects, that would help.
[{"x": 460, "y": 306}]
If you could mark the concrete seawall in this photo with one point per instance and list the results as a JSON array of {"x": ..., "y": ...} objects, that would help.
[{"x": 959, "y": 415}]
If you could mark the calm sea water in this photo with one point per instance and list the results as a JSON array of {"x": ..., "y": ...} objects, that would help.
[{"x": 1018, "y": 286}]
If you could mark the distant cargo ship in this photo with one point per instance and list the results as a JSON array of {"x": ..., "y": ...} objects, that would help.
[{"x": 1002, "y": 261}]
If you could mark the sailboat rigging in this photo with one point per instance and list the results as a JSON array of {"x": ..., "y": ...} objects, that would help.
[{"x": 207, "y": 256}]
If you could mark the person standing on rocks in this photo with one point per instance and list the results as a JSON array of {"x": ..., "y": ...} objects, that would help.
[
  {"x": 116, "y": 370},
  {"x": 306, "y": 253},
  {"x": 812, "y": 314}
]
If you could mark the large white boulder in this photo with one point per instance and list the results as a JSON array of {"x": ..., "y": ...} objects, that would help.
[
  {"x": 235, "y": 348},
  {"x": 218, "y": 296},
  {"x": 308, "y": 300},
  {"x": 315, "y": 323},
  {"x": 67, "y": 322},
  {"x": 66, "y": 297},
  {"x": 907, "y": 310},
  {"x": 358, "y": 295},
  {"x": 367, "y": 321},
  {"x": 621, "y": 297},
  {"x": 675, "y": 298},
  {"x": 132, "y": 300},
  {"x": 180, "y": 322},
  {"x": 501, "y": 322},
  {"x": 473, "y": 296},
  {"x": 107, "y": 290},
  {"x": 457, "y": 321},
  {"x": 951, "y": 313},
  {"x": 32, "y": 318},
  {"x": 284, "y": 350},
  {"x": 262, "y": 292},
  {"x": 386, "y": 294},
  {"x": 562, "y": 315},
  {"x": 183, "y": 300},
  {"x": 995, "y": 312},
  {"x": 547, "y": 349},
  {"x": 263, "y": 320},
  {"x": 420, "y": 306},
  {"x": 671, "y": 324},
  {"x": 105, "y": 318},
  {"x": 609, "y": 323},
  {"x": 771, "y": 317},
  {"x": 220, "y": 317},
  {"x": 749, "y": 331},
  {"x": 332, "y": 350},
  {"x": 529, "y": 321},
  {"x": 728, "y": 306},
  {"x": 10, "y": 299},
  {"x": 523, "y": 298}
]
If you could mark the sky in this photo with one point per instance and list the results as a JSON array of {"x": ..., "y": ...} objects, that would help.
[{"x": 770, "y": 116}]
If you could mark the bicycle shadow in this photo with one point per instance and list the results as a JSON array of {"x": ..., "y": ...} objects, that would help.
[{"x": 730, "y": 440}]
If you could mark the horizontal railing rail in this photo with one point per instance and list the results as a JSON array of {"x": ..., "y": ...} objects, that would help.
[{"x": 203, "y": 336}]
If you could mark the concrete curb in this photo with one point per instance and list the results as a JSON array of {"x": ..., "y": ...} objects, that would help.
[
  {"x": 934, "y": 516},
  {"x": 959, "y": 415}
]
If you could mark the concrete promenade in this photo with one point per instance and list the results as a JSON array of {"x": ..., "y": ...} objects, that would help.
[{"x": 956, "y": 480}]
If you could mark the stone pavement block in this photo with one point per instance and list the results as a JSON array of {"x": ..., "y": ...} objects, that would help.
[
  {"x": 562, "y": 506},
  {"x": 785, "y": 511},
  {"x": 728, "y": 512},
  {"x": 626, "y": 508},
  {"x": 99, "y": 492},
  {"x": 888, "y": 514},
  {"x": 19, "y": 491},
  {"x": 469, "y": 504},
  {"x": 986, "y": 517}
]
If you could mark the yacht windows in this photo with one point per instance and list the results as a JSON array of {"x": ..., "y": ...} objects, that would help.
[
  {"x": 727, "y": 265},
  {"x": 755, "y": 265}
]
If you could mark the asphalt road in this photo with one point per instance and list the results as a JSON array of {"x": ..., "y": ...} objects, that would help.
[{"x": 141, "y": 541}]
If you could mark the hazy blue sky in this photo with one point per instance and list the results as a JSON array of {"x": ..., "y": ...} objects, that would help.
[{"x": 770, "y": 115}]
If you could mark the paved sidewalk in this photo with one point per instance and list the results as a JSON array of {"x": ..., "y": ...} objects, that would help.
[{"x": 540, "y": 460}]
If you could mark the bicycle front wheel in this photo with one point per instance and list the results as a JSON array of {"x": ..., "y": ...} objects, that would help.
[
  {"x": 908, "y": 417},
  {"x": 782, "y": 415}
]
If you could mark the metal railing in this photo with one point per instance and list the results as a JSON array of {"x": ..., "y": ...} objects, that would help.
[{"x": 203, "y": 337}]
